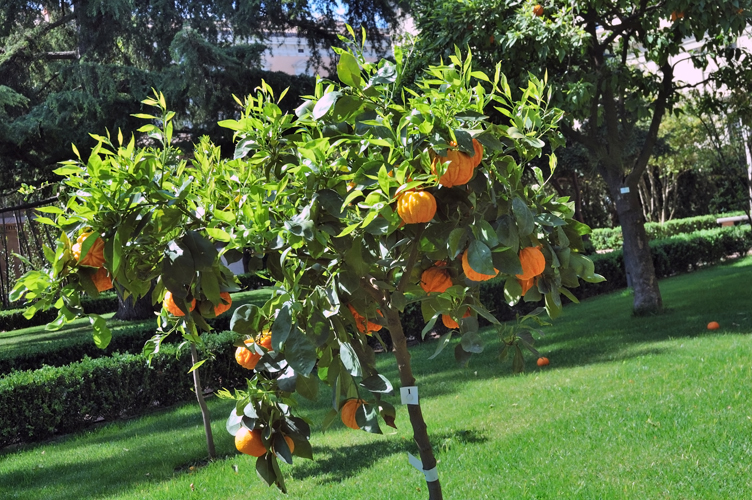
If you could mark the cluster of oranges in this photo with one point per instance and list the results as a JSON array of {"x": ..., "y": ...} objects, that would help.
[
  {"x": 93, "y": 258},
  {"x": 169, "y": 304}
]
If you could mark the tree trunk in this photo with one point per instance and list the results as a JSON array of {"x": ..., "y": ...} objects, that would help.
[
  {"x": 748, "y": 155},
  {"x": 202, "y": 403},
  {"x": 638, "y": 261},
  {"x": 130, "y": 310},
  {"x": 420, "y": 431}
]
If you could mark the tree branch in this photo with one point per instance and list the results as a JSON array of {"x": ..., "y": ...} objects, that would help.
[
  {"x": 33, "y": 35},
  {"x": 660, "y": 109}
]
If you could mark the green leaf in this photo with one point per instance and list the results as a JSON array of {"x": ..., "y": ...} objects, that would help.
[
  {"x": 282, "y": 327},
  {"x": 378, "y": 383},
  {"x": 480, "y": 259},
  {"x": 348, "y": 70},
  {"x": 350, "y": 359},
  {"x": 457, "y": 241},
  {"x": 461, "y": 355},
  {"x": 523, "y": 216},
  {"x": 507, "y": 261},
  {"x": 487, "y": 234},
  {"x": 325, "y": 104},
  {"x": 265, "y": 469},
  {"x": 308, "y": 387},
  {"x": 299, "y": 352},
  {"x": 100, "y": 331},
  {"x": 218, "y": 234},
  {"x": 472, "y": 343},
  {"x": 234, "y": 422},
  {"x": 443, "y": 342},
  {"x": 197, "y": 365},
  {"x": 202, "y": 250},
  {"x": 246, "y": 319},
  {"x": 506, "y": 231}
]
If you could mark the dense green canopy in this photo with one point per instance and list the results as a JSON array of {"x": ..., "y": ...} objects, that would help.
[{"x": 71, "y": 67}]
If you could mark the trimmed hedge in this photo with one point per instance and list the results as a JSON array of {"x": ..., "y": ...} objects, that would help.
[
  {"x": 611, "y": 238},
  {"x": 35, "y": 405},
  {"x": 125, "y": 339},
  {"x": 13, "y": 319}
]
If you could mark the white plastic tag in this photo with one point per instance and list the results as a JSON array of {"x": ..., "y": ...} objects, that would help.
[
  {"x": 431, "y": 474},
  {"x": 409, "y": 395},
  {"x": 624, "y": 190}
]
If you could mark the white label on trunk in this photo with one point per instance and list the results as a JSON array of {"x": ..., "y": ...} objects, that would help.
[
  {"x": 409, "y": 395},
  {"x": 431, "y": 474},
  {"x": 624, "y": 190}
]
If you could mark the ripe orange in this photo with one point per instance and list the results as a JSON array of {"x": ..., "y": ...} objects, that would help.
[
  {"x": 223, "y": 306},
  {"x": 538, "y": 10},
  {"x": 542, "y": 361},
  {"x": 102, "y": 279},
  {"x": 249, "y": 442},
  {"x": 347, "y": 413},
  {"x": 95, "y": 256},
  {"x": 169, "y": 304},
  {"x": 713, "y": 325},
  {"x": 249, "y": 358}
]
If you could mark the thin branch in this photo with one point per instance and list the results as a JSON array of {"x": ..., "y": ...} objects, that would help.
[
  {"x": 660, "y": 109},
  {"x": 404, "y": 280}
]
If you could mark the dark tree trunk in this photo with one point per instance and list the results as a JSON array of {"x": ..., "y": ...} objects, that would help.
[
  {"x": 130, "y": 310},
  {"x": 420, "y": 430},
  {"x": 638, "y": 261}
]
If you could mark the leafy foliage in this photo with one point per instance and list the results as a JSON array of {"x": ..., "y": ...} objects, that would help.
[{"x": 314, "y": 194}]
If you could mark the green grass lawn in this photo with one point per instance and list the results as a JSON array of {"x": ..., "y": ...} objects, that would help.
[
  {"x": 38, "y": 336},
  {"x": 629, "y": 408}
]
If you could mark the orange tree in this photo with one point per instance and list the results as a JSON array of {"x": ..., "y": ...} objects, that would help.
[{"x": 367, "y": 200}]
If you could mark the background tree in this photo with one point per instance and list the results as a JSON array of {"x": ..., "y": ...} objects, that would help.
[
  {"x": 613, "y": 67},
  {"x": 68, "y": 67},
  {"x": 365, "y": 201}
]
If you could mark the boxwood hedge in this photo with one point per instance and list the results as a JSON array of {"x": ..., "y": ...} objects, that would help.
[{"x": 38, "y": 404}]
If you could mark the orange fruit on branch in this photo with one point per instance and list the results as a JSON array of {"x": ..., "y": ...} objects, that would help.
[
  {"x": 538, "y": 10},
  {"x": 347, "y": 413},
  {"x": 459, "y": 170},
  {"x": 676, "y": 15},
  {"x": 102, "y": 279},
  {"x": 435, "y": 279},
  {"x": 542, "y": 361},
  {"x": 415, "y": 207},
  {"x": 250, "y": 442},
  {"x": 362, "y": 324},
  {"x": 249, "y": 358},
  {"x": 169, "y": 304},
  {"x": 533, "y": 263},
  {"x": 526, "y": 285},
  {"x": 95, "y": 256},
  {"x": 223, "y": 306},
  {"x": 450, "y": 323},
  {"x": 473, "y": 275}
]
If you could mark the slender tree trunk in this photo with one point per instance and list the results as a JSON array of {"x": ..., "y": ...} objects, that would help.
[
  {"x": 420, "y": 431},
  {"x": 638, "y": 261},
  {"x": 748, "y": 154},
  {"x": 202, "y": 403},
  {"x": 130, "y": 309}
]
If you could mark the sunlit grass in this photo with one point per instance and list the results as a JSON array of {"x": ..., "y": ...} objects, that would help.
[{"x": 629, "y": 408}]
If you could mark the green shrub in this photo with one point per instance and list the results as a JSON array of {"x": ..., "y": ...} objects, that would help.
[
  {"x": 60, "y": 352},
  {"x": 611, "y": 238},
  {"x": 13, "y": 319},
  {"x": 37, "y": 404}
]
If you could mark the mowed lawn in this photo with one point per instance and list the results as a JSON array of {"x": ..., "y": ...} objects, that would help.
[{"x": 629, "y": 408}]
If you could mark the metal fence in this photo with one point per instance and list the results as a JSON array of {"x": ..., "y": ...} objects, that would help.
[{"x": 21, "y": 234}]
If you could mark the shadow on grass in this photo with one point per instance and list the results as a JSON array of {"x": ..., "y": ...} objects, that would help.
[{"x": 334, "y": 465}]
